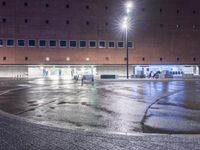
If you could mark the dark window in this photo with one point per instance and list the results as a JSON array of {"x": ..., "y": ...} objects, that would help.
[
  {"x": 67, "y": 6},
  {"x": 47, "y": 21},
  {"x": 26, "y": 4},
  {"x": 10, "y": 43},
  {"x": 82, "y": 44},
  {"x": 194, "y": 58},
  {"x": 72, "y": 44},
  {"x": 107, "y": 58},
  {"x": 47, "y": 5},
  {"x": 67, "y": 22},
  {"x": 1, "y": 43},
  {"x": 143, "y": 9},
  {"x": 87, "y": 7},
  {"x": 111, "y": 44},
  {"x": 161, "y": 10},
  {"x": 87, "y": 23},
  {"x": 52, "y": 43},
  {"x": 106, "y": 7},
  {"x": 4, "y": 20},
  {"x": 194, "y": 12},
  {"x": 20, "y": 43},
  {"x": 106, "y": 23},
  {"x": 4, "y": 3},
  {"x": 26, "y": 58},
  {"x": 178, "y": 59},
  {"x": 143, "y": 59},
  {"x": 178, "y": 11},
  {"x": 92, "y": 44},
  {"x": 42, "y": 43},
  {"x": 26, "y": 20},
  {"x": 4, "y": 58},
  {"x": 31, "y": 43},
  {"x": 120, "y": 44},
  {"x": 102, "y": 44},
  {"x": 63, "y": 43},
  {"x": 161, "y": 59},
  {"x": 130, "y": 44}
]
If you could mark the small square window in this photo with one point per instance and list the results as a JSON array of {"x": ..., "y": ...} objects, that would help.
[
  {"x": 42, "y": 43},
  {"x": 10, "y": 43},
  {"x": 111, "y": 44},
  {"x": 63, "y": 43},
  {"x": 4, "y": 3},
  {"x": 82, "y": 44},
  {"x": 102, "y": 44},
  {"x": 130, "y": 44},
  {"x": 20, "y": 43},
  {"x": 73, "y": 44},
  {"x": 92, "y": 44},
  {"x": 67, "y": 6},
  {"x": 52, "y": 43},
  {"x": 4, "y": 58},
  {"x": 1, "y": 43},
  {"x": 120, "y": 44},
  {"x": 31, "y": 43},
  {"x": 4, "y": 20},
  {"x": 26, "y": 4},
  {"x": 26, "y": 58}
]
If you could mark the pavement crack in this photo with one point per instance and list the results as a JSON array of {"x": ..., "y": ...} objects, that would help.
[{"x": 156, "y": 101}]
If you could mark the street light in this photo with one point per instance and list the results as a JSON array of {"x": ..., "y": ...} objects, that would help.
[{"x": 126, "y": 26}]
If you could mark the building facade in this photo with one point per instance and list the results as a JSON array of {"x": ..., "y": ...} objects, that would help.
[{"x": 68, "y": 37}]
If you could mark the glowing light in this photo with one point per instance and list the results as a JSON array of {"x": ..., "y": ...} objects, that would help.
[{"x": 129, "y": 6}]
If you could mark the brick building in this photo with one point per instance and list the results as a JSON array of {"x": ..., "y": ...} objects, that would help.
[{"x": 67, "y": 37}]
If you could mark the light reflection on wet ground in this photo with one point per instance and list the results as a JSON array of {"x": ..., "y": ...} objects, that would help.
[{"x": 107, "y": 106}]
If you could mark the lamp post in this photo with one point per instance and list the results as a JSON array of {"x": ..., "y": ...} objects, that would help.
[{"x": 126, "y": 25}]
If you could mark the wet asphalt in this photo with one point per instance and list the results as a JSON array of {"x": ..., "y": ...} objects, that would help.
[{"x": 106, "y": 106}]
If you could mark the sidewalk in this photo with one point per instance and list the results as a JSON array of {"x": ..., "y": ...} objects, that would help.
[{"x": 18, "y": 134}]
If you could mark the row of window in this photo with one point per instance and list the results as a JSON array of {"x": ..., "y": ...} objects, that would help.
[
  {"x": 106, "y": 58},
  {"x": 106, "y": 7},
  {"x": 48, "y": 5},
  {"x": 66, "y": 44}
]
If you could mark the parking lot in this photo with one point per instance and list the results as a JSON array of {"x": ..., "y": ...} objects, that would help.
[{"x": 106, "y": 106}]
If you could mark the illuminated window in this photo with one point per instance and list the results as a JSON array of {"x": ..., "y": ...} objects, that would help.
[
  {"x": 102, "y": 44},
  {"x": 63, "y": 44},
  {"x": 92, "y": 44},
  {"x": 52, "y": 43},
  {"x": 10, "y": 43},
  {"x": 20, "y": 43},
  {"x": 73, "y": 44},
  {"x": 31, "y": 43},
  {"x": 42, "y": 43},
  {"x": 1, "y": 43},
  {"x": 47, "y": 59},
  {"x": 111, "y": 44},
  {"x": 82, "y": 44},
  {"x": 120, "y": 44}
]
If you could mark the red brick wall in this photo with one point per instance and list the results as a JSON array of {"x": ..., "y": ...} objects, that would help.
[{"x": 151, "y": 41}]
